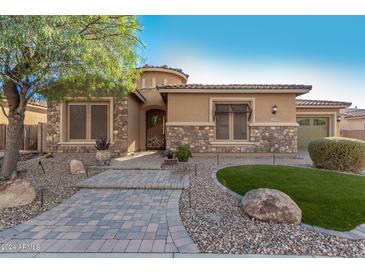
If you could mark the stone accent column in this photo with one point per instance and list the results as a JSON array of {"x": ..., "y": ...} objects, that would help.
[
  {"x": 197, "y": 137},
  {"x": 120, "y": 125},
  {"x": 275, "y": 139},
  {"x": 53, "y": 126},
  {"x": 262, "y": 139}
]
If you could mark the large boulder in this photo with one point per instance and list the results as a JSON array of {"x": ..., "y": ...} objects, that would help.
[
  {"x": 271, "y": 205},
  {"x": 16, "y": 193},
  {"x": 76, "y": 167}
]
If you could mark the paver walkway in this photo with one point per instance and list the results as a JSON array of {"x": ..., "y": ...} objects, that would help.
[
  {"x": 140, "y": 160},
  {"x": 105, "y": 220},
  {"x": 121, "y": 210},
  {"x": 138, "y": 179}
]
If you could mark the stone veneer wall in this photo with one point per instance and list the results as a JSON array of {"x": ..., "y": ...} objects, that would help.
[
  {"x": 120, "y": 129},
  {"x": 265, "y": 139}
]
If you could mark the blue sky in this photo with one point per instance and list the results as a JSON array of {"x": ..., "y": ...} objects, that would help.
[{"x": 327, "y": 52}]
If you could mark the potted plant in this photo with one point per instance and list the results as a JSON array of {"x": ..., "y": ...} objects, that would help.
[
  {"x": 102, "y": 150},
  {"x": 169, "y": 160}
]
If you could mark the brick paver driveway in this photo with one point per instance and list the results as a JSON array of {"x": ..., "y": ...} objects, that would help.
[{"x": 108, "y": 216}]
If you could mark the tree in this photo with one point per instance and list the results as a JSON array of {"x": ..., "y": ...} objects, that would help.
[{"x": 59, "y": 56}]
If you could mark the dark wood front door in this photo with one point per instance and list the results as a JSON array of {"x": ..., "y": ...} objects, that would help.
[{"x": 155, "y": 137}]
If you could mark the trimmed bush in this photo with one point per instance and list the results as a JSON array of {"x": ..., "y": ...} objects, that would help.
[
  {"x": 183, "y": 153},
  {"x": 335, "y": 153}
]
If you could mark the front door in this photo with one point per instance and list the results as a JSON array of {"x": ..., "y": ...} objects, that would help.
[{"x": 155, "y": 133}]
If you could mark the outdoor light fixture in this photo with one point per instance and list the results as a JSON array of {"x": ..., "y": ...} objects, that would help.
[
  {"x": 339, "y": 118},
  {"x": 274, "y": 109}
]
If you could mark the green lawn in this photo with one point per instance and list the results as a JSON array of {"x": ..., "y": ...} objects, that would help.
[{"x": 327, "y": 199}]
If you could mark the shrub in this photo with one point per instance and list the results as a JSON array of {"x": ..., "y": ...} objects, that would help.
[
  {"x": 102, "y": 144},
  {"x": 335, "y": 153},
  {"x": 183, "y": 153}
]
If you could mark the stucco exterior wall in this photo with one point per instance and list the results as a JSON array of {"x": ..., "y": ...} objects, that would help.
[
  {"x": 189, "y": 107},
  {"x": 160, "y": 78},
  {"x": 353, "y": 124},
  {"x": 353, "y": 128},
  {"x": 33, "y": 115},
  {"x": 190, "y": 122}
]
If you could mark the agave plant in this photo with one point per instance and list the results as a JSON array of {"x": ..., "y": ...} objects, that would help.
[
  {"x": 169, "y": 154},
  {"x": 102, "y": 144}
]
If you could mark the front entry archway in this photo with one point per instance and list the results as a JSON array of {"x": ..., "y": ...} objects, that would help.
[{"x": 155, "y": 129}]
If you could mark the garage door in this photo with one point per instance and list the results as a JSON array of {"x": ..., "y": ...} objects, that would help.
[{"x": 311, "y": 128}]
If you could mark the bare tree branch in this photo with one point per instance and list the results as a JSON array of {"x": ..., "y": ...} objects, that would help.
[{"x": 89, "y": 24}]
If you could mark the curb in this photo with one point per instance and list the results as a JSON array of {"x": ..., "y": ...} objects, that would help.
[{"x": 170, "y": 255}]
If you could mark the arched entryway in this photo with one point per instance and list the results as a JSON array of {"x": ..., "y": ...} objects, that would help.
[{"x": 155, "y": 129}]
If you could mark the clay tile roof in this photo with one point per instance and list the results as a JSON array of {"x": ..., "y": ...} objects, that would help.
[
  {"x": 234, "y": 86},
  {"x": 167, "y": 67},
  {"x": 305, "y": 102},
  {"x": 38, "y": 103},
  {"x": 41, "y": 103},
  {"x": 353, "y": 112}
]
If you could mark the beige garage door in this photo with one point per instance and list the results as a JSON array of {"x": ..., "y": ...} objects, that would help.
[{"x": 311, "y": 128}]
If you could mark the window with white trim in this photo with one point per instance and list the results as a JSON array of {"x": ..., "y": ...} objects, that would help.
[
  {"x": 231, "y": 122},
  {"x": 88, "y": 121}
]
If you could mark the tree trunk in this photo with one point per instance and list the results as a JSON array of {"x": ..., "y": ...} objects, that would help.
[
  {"x": 13, "y": 134},
  {"x": 17, "y": 107}
]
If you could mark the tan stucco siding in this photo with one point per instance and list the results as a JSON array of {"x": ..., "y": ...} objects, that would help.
[
  {"x": 33, "y": 115},
  {"x": 196, "y": 107},
  {"x": 134, "y": 109},
  {"x": 153, "y": 98},
  {"x": 151, "y": 79},
  {"x": 318, "y": 109},
  {"x": 353, "y": 124}
]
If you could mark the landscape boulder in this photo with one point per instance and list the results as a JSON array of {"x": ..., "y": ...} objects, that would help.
[
  {"x": 271, "y": 205},
  {"x": 16, "y": 193},
  {"x": 76, "y": 167}
]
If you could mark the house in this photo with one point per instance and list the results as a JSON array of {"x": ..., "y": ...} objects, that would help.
[
  {"x": 353, "y": 123},
  {"x": 36, "y": 112},
  {"x": 166, "y": 111}
]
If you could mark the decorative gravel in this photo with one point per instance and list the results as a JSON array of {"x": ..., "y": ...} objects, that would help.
[
  {"x": 217, "y": 225},
  {"x": 59, "y": 185}
]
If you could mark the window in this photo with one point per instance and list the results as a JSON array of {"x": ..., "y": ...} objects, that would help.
[
  {"x": 231, "y": 121},
  {"x": 320, "y": 122},
  {"x": 77, "y": 121},
  {"x": 88, "y": 121},
  {"x": 99, "y": 121},
  {"x": 303, "y": 122}
]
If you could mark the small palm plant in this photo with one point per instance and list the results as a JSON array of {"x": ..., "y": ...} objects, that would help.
[
  {"x": 103, "y": 153},
  {"x": 102, "y": 144}
]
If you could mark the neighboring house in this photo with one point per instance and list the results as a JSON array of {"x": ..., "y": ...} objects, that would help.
[
  {"x": 166, "y": 111},
  {"x": 353, "y": 123},
  {"x": 35, "y": 113}
]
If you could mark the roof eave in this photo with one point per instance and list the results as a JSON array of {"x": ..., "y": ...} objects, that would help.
[
  {"x": 153, "y": 69},
  {"x": 139, "y": 96},
  {"x": 213, "y": 90}
]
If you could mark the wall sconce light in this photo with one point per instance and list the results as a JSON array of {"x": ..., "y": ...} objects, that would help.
[
  {"x": 339, "y": 118},
  {"x": 274, "y": 109}
]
